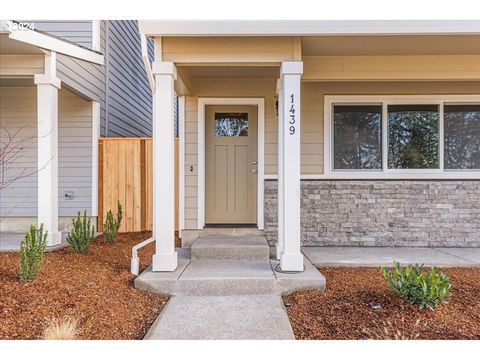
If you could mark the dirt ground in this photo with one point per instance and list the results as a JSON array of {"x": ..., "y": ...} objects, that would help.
[
  {"x": 96, "y": 289},
  {"x": 358, "y": 305}
]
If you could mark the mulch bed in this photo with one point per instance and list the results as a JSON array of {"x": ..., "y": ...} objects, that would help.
[
  {"x": 96, "y": 289},
  {"x": 347, "y": 309}
]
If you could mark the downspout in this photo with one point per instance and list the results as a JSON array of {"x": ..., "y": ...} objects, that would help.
[{"x": 135, "y": 261}]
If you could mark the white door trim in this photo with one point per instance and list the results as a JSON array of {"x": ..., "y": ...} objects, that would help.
[{"x": 202, "y": 102}]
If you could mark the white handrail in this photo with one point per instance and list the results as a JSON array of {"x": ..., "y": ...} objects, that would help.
[{"x": 135, "y": 262}]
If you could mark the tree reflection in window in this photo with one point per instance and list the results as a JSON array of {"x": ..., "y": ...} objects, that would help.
[
  {"x": 462, "y": 136},
  {"x": 413, "y": 133},
  {"x": 231, "y": 124},
  {"x": 357, "y": 137}
]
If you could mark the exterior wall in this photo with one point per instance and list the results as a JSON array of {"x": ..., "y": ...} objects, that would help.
[
  {"x": 312, "y": 104},
  {"x": 264, "y": 88},
  {"x": 383, "y": 213},
  {"x": 129, "y": 98},
  {"x": 76, "y": 31},
  {"x": 75, "y": 151}
]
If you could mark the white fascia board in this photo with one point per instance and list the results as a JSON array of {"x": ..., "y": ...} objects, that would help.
[
  {"x": 308, "y": 28},
  {"x": 43, "y": 41}
]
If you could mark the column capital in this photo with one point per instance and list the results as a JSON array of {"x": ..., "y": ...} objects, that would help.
[
  {"x": 164, "y": 68},
  {"x": 291, "y": 68},
  {"x": 44, "y": 79}
]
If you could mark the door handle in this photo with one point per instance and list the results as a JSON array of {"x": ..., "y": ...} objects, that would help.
[{"x": 255, "y": 162}]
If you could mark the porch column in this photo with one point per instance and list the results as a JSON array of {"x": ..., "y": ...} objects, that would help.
[
  {"x": 47, "y": 137},
  {"x": 291, "y": 258},
  {"x": 165, "y": 258}
]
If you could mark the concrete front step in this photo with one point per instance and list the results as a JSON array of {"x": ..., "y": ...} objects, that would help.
[
  {"x": 231, "y": 248},
  {"x": 229, "y": 277}
]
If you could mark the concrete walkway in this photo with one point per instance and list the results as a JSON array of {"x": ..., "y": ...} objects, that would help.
[
  {"x": 383, "y": 256},
  {"x": 241, "y": 317}
]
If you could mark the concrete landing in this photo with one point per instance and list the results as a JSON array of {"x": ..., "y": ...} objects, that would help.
[
  {"x": 384, "y": 256},
  {"x": 259, "y": 317},
  {"x": 230, "y": 248},
  {"x": 227, "y": 277}
]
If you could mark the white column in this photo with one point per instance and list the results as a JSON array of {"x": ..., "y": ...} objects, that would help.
[
  {"x": 291, "y": 258},
  {"x": 280, "y": 190},
  {"x": 165, "y": 258},
  {"x": 47, "y": 124}
]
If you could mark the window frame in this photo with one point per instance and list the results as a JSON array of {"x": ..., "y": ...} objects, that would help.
[{"x": 385, "y": 172}]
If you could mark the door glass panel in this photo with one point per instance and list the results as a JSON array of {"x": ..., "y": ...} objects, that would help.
[{"x": 231, "y": 124}]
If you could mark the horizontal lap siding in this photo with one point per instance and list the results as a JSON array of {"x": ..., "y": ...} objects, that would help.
[
  {"x": 18, "y": 110},
  {"x": 129, "y": 96},
  {"x": 191, "y": 162},
  {"x": 76, "y": 31}
]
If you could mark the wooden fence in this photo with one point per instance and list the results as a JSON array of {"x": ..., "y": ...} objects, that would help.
[{"x": 125, "y": 171}]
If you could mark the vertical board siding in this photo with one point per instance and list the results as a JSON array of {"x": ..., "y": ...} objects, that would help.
[
  {"x": 18, "y": 110},
  {"x": 76, "y": 31},
  {"x": 129, "y": 98},
  {"x": 126, "y": 175}
]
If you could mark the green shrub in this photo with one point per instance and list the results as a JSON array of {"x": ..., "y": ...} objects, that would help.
[
  {"x": 111, "y": 225},
  {"x": 412, "y": 285},
  {"x": 82, "y": 234},
  {"x": 31, "y": 253}
]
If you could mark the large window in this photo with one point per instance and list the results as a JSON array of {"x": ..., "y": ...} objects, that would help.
[
  {"x": 405, "y": 136},
  {"x": 413, "y": 134},
  {"x": 357, "y": 137},
  {"x": 462, "y": 136}
]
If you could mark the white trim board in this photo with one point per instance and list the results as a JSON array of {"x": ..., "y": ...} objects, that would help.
[
  {"x": 385, "y": 173},
  {"x": 43, "y": 41},
  {"x": 95, "y": 136},
  {"x": 306, "y": 27},
  {"x": 181, "y": 162},
  {"x": 260, "y": 103}
]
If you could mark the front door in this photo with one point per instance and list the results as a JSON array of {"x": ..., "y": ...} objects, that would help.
[{"x": 231, "y": 164}]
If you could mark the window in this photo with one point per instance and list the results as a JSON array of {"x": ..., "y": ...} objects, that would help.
[
  {"x": 402, "y": 136},
  {"x": 357, "y": 138},
  {"x": 462, "y": 136},
  {"x": 413, "y": 134},
  {"x": 231, "y": 124}
]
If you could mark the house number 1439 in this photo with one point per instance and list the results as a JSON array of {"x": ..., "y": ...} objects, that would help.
[{"x": 292, "y": 120}]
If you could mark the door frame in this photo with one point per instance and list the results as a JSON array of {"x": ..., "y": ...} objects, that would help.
[{"x": 202, "y": 103}]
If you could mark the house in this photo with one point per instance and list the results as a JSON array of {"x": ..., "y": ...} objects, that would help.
[
  {"x": 319, "y": 133},
  {"x": 63, "y": 84}
]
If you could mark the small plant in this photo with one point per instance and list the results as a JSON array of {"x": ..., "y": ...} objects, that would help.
[
  {"x": 111, "y": 225},
  {"x": 82, "y": 234},
  {"x": 31, "y": 253},
  {"x": 63, "y": 329},
  {"x": 412, "y": 285},
  {"x": 396, "y": 330}
]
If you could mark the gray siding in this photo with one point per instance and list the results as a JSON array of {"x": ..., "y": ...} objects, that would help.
[
  {"x": 18, "y": 111},
  {"x": 76, "y": 31},
  {"x": 129, "y": 99}
]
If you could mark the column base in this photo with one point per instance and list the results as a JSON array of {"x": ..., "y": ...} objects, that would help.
[
  {"x": 54, "y": 238},
  {"x": 279, "y": 252},
  {"x": 165, "y": 262},
  {"x": 291, "y": 262}
]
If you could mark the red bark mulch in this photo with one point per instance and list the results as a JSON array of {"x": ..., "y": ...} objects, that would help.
[
  {"x": 347, "y": 309},
  {"x": 96, "y": 289}
]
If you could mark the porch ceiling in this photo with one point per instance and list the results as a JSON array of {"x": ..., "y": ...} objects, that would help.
[{"x": 391, "y": 45}]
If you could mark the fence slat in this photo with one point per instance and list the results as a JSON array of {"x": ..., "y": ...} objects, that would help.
[{"x": 126, "y": 175}]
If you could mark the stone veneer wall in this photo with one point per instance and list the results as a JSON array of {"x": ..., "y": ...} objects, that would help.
[{"x": 383, "y": 213}]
